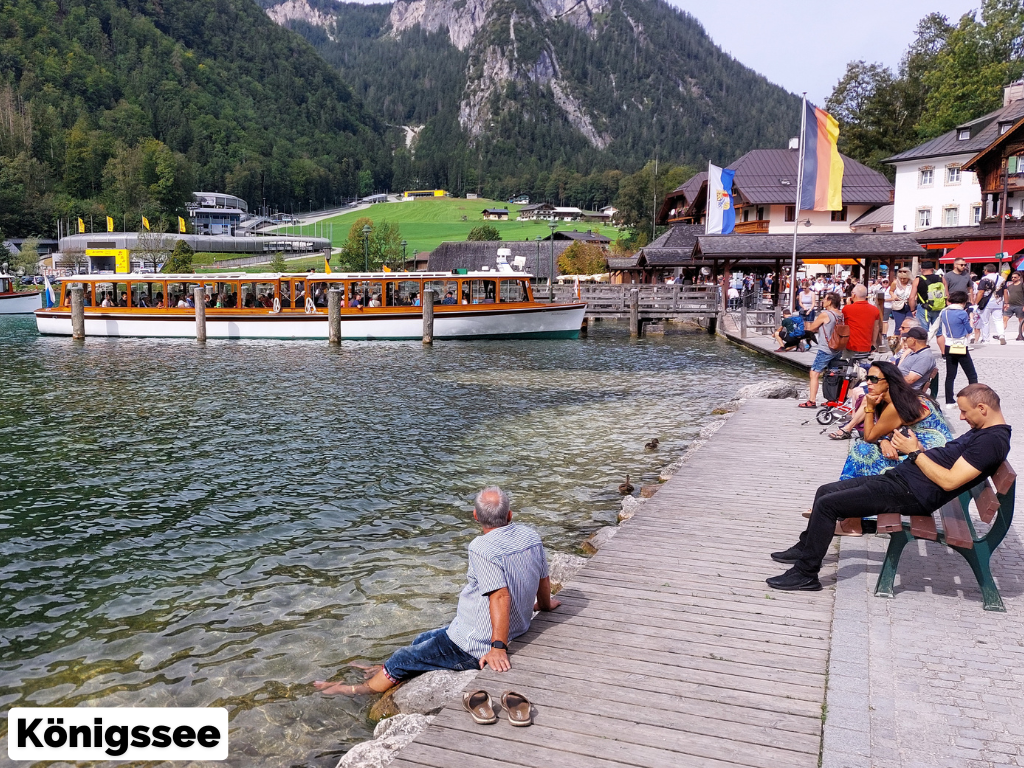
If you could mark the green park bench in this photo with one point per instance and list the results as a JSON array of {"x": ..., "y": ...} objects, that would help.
[{"x": 994, "y": 501}]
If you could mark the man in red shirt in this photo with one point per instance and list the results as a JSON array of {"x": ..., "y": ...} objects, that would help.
[{"x": 865, "y": 322}]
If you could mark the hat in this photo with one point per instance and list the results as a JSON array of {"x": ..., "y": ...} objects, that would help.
[{"x": 918, "y": 333}]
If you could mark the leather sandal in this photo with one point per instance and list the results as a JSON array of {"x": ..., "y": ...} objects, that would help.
[
  {"x": 520, "y": 712},
  {"x": 808, "y": 404},
  {"x": 479, "y": 706},
  {"x": 840, "y": 434}
]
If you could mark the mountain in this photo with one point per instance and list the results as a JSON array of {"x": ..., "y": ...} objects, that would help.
[
  {"x": 124, "y": 107},
  {"x": 488, "y": 91}
]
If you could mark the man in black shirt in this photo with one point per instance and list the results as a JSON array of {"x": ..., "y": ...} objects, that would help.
[{"x": 918, "y": 486}]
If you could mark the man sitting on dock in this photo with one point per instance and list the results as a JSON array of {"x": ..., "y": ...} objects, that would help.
[
  {"x": 507, "y": 571},
  {"x": 917, "y": 486}
]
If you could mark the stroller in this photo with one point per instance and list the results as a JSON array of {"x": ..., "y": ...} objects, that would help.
[{"x": 835, "y": 386}]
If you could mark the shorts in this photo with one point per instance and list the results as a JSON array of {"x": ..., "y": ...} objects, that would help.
[
  {"x": 1010, "y": 311},
  {"x": 430, "y": 650},
  {"x": 823, "y": 357}
]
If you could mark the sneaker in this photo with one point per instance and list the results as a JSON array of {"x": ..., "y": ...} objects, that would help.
[
  {"x": 1002, "y": 340},
  {"x": 789, "y": 556},
  {"x": 793, "y": 581}
]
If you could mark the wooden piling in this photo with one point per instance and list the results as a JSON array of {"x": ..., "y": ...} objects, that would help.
[
  {"x": 334, "y": 316},
  {"x": 77, "y": 313},
  {"x": 634, "y": 313},
  {"x": 199, "y": 298},
  {"x": 743, "y": 318},
  {"x": 584, "y": 327},
  {"x": 428, "y": 316}
]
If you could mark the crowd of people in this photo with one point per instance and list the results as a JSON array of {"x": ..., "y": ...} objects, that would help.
[{"x": 903, "y": 457}]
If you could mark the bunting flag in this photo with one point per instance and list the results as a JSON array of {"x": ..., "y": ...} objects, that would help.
[
  {"x": 327, "y": 266},
  {"x": 81, "y": 226},
  {"x": 51, "y": 298},
  {"x": 110, "y": 224},
  {"x": 145, "y": 223},
  {"x": 385, "y": 268},
  {"x": 823, "y": 166},
  {"x": 181, "y": 225},
  {"x": 721, "y": 214}
]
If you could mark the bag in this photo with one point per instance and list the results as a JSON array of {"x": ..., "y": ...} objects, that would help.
[
  {"x": 840, "y": 336},
  {"x": 987, "y": 290},
  {"x": 798, "y": 326},
  {"x": 936, "y": 295},
  {"x": 898, "y": 304},
  {"x": 831, "y": 384},
  {"x": 953, "y": 346}
]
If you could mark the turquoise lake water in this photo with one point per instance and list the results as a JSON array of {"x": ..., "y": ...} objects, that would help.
[{"x": 219, "y": 526}]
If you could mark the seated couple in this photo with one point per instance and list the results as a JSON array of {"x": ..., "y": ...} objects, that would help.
[
  {"x": 920, "y": 485},
  {"x": 507, "y": 580},
  {"x": 915, "y": 362}
]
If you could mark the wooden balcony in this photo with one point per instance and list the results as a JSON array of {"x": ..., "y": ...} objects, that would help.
[{"x": 758, "y": 227}]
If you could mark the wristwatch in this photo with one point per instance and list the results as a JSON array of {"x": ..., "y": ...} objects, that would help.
[
  {"x": 912, "y": 456},
  {"x": 499, "y": 645}
]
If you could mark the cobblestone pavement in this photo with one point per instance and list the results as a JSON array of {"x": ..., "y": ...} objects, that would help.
[{"x": 929, "y": 679}]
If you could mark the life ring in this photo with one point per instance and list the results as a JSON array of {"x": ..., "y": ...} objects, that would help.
[
  {"x": 310, "y": 306},
  {"x": 277, "y": 305}
]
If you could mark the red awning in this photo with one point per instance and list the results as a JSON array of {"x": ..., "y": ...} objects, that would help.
[{"x": 981, "y": 251}]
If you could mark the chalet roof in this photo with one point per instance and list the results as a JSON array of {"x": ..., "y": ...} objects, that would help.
[
  {"x": 585, "y": 237},
  {"x": 623, "y": 262},
  {"x": 984, "y": 130},
  {"x": 986, "y": 231},
  {"x": 474, "y": 255},
  {"x": 1011, "y": 134},
  {"x": 537, "y": 207},
  {"x": 834, "y": 245},
  {"x": 877, "y": 217},
  {"x": 675, "y": 247},
  {"x": 496, "y": 210},
  {"x": 769, "y": 177}
]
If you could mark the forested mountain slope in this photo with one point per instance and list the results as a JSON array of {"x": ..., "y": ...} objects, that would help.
[
  {"x": 124, "y": 107},
  {"x": 502, "y": 94}
]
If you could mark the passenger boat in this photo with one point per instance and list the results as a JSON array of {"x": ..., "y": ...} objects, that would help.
[
  {"x": 17, "y": 302},
  {"x": 477, "y": 305}
]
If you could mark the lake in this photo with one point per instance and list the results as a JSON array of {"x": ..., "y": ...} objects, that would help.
[{"x": 220, "y": 525}]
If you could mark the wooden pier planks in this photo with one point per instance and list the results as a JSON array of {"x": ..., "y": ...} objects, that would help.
[{"x": 669, "y": 650}]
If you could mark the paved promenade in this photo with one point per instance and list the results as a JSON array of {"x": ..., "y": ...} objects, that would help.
[{"x": 669, "y": 650}]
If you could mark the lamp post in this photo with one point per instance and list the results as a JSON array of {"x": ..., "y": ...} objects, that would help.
[
  {"x": 551, "y": 263},
  {"x": 366, "y": 247},
  {"x": 404, "y": 268}
]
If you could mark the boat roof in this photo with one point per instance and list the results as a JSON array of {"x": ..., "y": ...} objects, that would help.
[{"x": 257, "y": 276}]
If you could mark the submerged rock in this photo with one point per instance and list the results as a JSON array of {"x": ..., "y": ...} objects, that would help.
[
  {"x": 389, "y": 737},
  {"x": 599, "y": 538},
  {"x": 648, "y": 491},
  {"x": 562, "y": 567},
  {"x": 778, "y": 389}
]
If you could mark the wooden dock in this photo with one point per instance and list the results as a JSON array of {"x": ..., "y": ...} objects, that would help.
[{"x": 669, "y": 651}]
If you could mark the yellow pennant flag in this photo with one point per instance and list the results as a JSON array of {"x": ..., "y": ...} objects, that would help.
[
  {"x": 81, "y": 226},
  {"x": 110, "y": 224},
  {"x": 327, "y": 266},
  {"x": 145, "y": 223},
  {"x": 181, "y": 225},
  {"x": 385, "y": 267}
]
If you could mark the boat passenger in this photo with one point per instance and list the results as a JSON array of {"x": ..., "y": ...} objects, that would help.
[
  {"x": 160, "y": 300},
  {"x": 220, "y": 301},
  {"x": 449, "y": 298},
  {"x": 181, "y": 303},
  {"x": 189, "y": 301},
  {"x": 123, "y": 301},
  {"x": 143, "y": 301},
  {"x": 375, "y": 301},
  {"x": 356, "y": 302},
  {"x": 107, "y": 300},
  {"x": 415, "y": 299}
]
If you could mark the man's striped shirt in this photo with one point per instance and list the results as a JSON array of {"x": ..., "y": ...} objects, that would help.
[{"x": 511, "y": 556}]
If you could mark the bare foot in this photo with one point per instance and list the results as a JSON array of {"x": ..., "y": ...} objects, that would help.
[
  {"x": 368, "y": 671},
  {"x": 333, "y": 689}
]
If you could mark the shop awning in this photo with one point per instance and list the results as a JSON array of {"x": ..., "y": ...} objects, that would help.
[
  {"x": 830, "y": 262},
  {"x": 981, "y": 251}
]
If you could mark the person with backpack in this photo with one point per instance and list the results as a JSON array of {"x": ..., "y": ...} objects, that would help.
[
  {"x": 831, "y": 343},
  {"x": 953, "y": 340},
  {"x": 791, "y": 332},
  {"x": 989, "y": 298},
  {"x": 928, "y": 296}
]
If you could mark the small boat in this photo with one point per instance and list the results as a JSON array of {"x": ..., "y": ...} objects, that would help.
[
  {"x": 17, "y": 302},
  {"x": 495, "y": 304}
]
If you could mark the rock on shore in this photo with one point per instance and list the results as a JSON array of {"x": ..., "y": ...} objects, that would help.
[
  {"x": 423, "y": 695},
  {"x": 777, "y": 389},
  {"x": 599, "y": 538},
  {"x": 389, "y": 737},
  {"x": 562, "y": 567}
]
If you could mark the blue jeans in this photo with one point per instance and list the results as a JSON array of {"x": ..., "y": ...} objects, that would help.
[
  {"x": 926, "y": 316},
  {"x": 430, "y": 650}
]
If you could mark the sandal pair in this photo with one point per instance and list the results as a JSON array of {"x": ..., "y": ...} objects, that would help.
[{"x": 481, "y": 708}]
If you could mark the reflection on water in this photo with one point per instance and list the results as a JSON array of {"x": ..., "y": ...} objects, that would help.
[{"x": 222, "y": 525}]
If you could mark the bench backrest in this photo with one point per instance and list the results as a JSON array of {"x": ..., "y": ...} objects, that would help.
[{"x": 989, "y": 501}]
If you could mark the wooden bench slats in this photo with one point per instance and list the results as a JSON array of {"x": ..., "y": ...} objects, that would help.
[
  {"x": 922, "y": 527},
  {"x": 1003, "y": 479},
  {"x": 954, "y": 524},
  {"x": 889, "y": 522},
  {"x": 988, "y": 504}
]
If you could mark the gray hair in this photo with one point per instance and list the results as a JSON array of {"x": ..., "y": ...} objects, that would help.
[
  {"x": 859, "y": 291},
  {"x": 492, "y": 505}
]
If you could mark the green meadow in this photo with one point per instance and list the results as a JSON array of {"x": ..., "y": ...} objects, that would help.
[{"x": 425, "y": 224}]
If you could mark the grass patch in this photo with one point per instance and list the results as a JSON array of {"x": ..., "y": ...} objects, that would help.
[{"x": 425, "y": 224}]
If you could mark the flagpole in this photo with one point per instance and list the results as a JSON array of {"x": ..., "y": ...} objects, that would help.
[{"x": 799, "y": 195}]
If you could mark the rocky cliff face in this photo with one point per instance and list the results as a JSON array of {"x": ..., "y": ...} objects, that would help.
[{"x": 300, "y": 10}]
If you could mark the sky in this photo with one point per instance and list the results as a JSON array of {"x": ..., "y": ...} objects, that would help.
[{"x": 805, "y": 45}]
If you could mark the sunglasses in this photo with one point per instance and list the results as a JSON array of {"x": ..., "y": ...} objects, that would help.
[{"x": 876, "y": 379}]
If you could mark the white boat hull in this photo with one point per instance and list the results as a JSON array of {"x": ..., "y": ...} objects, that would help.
[
  {"x": 20, "y": 303},
  {"x": 555, "y": 321}
]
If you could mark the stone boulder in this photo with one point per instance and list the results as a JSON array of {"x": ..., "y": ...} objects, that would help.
[
  {"x": 389, "y": 737},
  {"x": 599, "y": 538},
  {"x": 630, "y": 505},
  {"x": 648, "y": 491},
  {"x": 562, "y": 567},
  {"x": 423, "y": 695},
  {"x": 776, "y": 389}
]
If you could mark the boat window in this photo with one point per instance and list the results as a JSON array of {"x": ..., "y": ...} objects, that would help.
[
  {"x": 226, "y": 295},
  {"x": 121, "y": 292},
  {"x": 445, "y": 291},
  {"x": 513, "y": 290},
  {"x": 286, "y": 294},
  {"x": 483, "y": 291},
  {"x": 175, "y": 295},
  {"x": 320, "y": 294},
  {"x": 265, "y": 294},
  {"x": 247, "y": 295},
  {"x": 299, "y": 294},
  {"x": 408, "y": 293},
  {"x": 370, "y": 292},
  {"x": 104, "y": 295}
]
